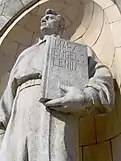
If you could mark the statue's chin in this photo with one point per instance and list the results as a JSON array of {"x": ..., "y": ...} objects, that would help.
[
  {"x": 48, "y": 32},
  {"x": 45, "y": 30}
]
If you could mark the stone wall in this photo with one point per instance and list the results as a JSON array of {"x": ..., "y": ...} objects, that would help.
[
  {"x": 118, "y": 2},
  {"x": 96, "y": 23}
]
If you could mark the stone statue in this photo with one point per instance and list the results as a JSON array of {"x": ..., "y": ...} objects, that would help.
[{"x": 36, "y": 131}]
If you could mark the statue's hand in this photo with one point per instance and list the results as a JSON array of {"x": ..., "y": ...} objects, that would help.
[{"x": 72, "y": 101}]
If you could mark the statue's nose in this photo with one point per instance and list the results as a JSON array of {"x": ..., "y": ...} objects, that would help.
[{"x": 43, "y": 20}]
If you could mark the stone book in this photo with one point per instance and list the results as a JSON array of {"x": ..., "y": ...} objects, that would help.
[{"x": 65, "y": 63}]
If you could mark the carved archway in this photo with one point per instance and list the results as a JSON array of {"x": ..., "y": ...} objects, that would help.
[{"x": 96, "y": 23}]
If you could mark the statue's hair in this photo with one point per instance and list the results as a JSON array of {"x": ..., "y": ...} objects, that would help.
[{"x": 60, "y": 17}]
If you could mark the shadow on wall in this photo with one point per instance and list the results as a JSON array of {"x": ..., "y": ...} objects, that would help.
[{"x": 118, "y": 102}]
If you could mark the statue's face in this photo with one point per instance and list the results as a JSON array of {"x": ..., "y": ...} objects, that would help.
[{"x": 50, "y": 24}]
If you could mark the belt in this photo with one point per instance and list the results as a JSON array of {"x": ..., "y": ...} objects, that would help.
[
  {"x": 30, "y": 83},
  {"x": 26, "y": 81}
]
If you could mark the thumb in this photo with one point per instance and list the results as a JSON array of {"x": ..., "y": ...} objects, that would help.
[{"x": 64, "y": 88}]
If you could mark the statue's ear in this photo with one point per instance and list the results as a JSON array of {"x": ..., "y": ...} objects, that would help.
[
  {"x": 59, "y": 18},
  {"x": 61, "y": 25}
]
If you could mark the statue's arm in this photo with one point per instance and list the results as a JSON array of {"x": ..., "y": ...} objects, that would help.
[
  {"x": 96, "y": 97},
  {"x": 6, "y": 101},
  {"x": 5, "y": 109},
  {"x": 100, "y": 89},
  {"x": 6, "y": 104}
]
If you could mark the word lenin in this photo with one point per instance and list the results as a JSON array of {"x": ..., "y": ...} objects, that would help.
[{"x": 66, "y": 54}]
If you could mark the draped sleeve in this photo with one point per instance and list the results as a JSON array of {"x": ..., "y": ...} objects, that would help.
[
  {"x": 99, "y": 92},
  {"x": 7, "y": 98}
]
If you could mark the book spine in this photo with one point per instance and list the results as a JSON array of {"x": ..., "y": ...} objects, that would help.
[{"x": 45, "y": 69}]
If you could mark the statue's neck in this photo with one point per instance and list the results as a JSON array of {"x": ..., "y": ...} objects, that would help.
[{"x": 53, "y": 35}]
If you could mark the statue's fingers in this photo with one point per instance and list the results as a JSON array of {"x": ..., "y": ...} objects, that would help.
[
  {"x": 64, "y": 88},
  {"x": 54, "y": 102}
]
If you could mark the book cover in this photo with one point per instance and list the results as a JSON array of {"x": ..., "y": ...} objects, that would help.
[{"x": 65, "y": 63}]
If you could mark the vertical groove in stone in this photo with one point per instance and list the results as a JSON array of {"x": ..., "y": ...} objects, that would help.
[
  {"x": 82, "y": 153},
  {"x": 95, "y": 130},
  {"x": 50, "y": 122},
  {"x": 111, "y": 150}
]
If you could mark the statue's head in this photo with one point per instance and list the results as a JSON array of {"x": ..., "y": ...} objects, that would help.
[{"x": 52, "y": 23}]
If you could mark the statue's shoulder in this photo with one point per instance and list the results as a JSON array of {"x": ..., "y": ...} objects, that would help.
[
  {"x": 90, "y": 52},
  {"x": 31, "y": 48}
]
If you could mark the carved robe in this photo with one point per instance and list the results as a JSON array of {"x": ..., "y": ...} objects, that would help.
[{"x": 34, "y": 133}]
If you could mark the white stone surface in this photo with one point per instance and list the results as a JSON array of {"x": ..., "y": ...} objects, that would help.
[
  {"x": 94, "y": 30},
  {"x": 3, "y": 21},
  {"x": 104, "y": 47},
  {"x": 87, "y": 15},
  {"x": 1, "y": 8},
  {"x": 12, "y": 7},
  {"x": 116, "y": 29},
  {"x": 113, "y": 14},
  {"x": 104, "y": 3}
]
